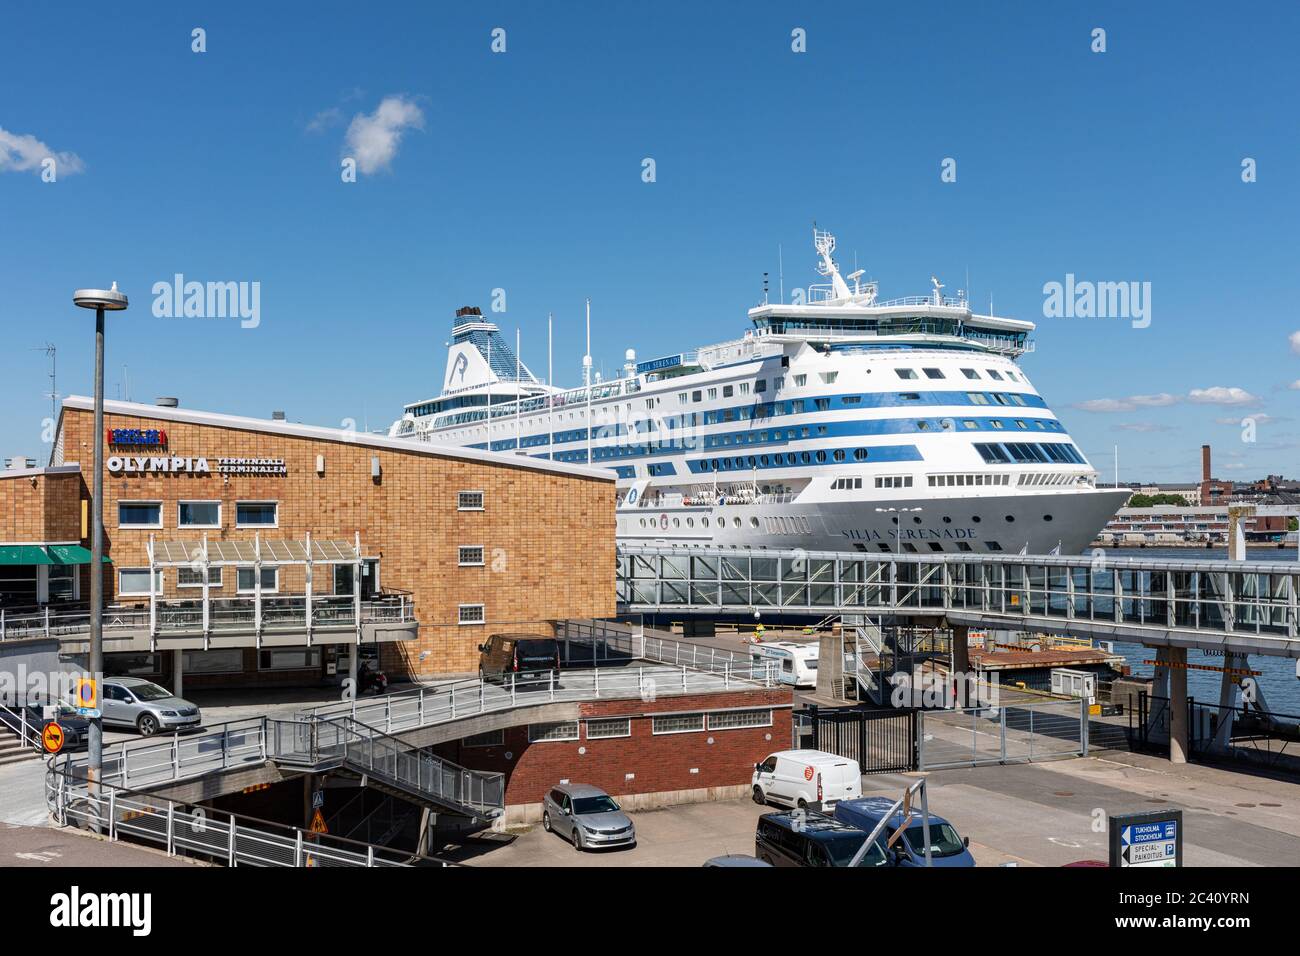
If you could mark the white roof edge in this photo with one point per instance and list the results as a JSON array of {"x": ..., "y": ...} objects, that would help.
[
  {"x": 343, "y": 436},
  {"x": 45, "y": 470}
]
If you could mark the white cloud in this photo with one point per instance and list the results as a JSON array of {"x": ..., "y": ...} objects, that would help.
[
  {"x": 372, "y": 139},
  {"x": 1295, "y": 386},
  {"x": 22, "y": 152},
  {"x": 1259, "y": 418},
  {"x": 1221, "y": 395},
  {"x": 1144, "y": 427},
  {"x": 1128, "y": 404},
  {"x": 1295, "y": 342},
  {"x": 324, "y": 120}
]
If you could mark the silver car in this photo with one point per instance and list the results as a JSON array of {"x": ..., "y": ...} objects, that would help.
[
  {"x": 136, "y": 702},
  {"x": 587, "y": 816}
]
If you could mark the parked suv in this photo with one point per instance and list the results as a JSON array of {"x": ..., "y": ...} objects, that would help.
[
  {"x": 947, "y": 847},
  {"x": 528, "y": 657},
  {"x": 809, "y": 838},
  {"x": 587, "y": 816},
  {"x": 136, "y": 702}
]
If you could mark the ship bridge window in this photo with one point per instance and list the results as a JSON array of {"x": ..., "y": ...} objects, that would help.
[
  {"x": 800, "y": 380},
  {"x": 906, "y": 372},
  {"x": 932, "y": 373},
  {"x": 1000, "y": 398},
  {"x": 1012, "y": 376},
  {"x": 829, "y": 377},
  {"x": 727, "y": 391},
  {"x": 760, "y": 386},
  {"x": 993, "y": 374},
  {"x": 977, "y": 398},
  {"x": 970, "y": 373},
  {"x": 846, "y": 484},
  {"x": 912, "y": 397},
  {"x": 970, "y": 423}
]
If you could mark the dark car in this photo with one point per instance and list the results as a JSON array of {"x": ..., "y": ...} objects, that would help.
[
  {"x": 808, "y": 838},
  {"x": 947, "y": 848},
  {"x": 76, "y": 729},
  {"x": 523, "y": 658}
]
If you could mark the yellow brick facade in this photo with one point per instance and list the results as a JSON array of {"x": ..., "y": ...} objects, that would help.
[{"x": 548, "y": 536}]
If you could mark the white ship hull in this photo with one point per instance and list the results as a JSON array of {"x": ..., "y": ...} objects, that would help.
[{"x": 1040, "y": 523}]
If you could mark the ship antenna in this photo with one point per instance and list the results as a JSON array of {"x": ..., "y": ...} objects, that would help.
[
  {"x": 780, "y": 266},
  {"x": 824, "y": 243}
]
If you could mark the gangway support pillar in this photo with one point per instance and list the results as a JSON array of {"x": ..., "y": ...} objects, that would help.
[
  {"x": 1178, "y": 744},
  {"x": 1232, "y": 661},
  {"x": 960, "y": 672},
  {"x": 1158, "y": 710}
]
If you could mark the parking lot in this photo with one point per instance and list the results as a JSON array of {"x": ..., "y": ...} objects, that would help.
[{"x": 1047, "y": 814}]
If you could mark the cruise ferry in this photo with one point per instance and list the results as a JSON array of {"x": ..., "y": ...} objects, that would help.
[{"x": 838, "y": 422}]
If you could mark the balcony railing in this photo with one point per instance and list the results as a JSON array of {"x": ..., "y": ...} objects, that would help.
[{"x": 276, "y": 613}]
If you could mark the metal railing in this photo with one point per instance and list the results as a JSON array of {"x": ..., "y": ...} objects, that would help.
[
  {"x": 388, "y": 759},
  {"x": 622, "y": 663},
  {"x": 224, "y": 837},
  {"x": 311, "y": 743},
  {"x": 27, "y": 732},
  {"x": 185, "y": 615}
]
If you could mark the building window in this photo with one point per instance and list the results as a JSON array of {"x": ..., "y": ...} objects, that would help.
[
  {"x": 244, "y": 580},
  {"x": 469, "y": 501},
  {"x": 472, "y": 614},
  {"x": 491, "y": 738},
  {"x": 198, "y": 514},
  {"x": 225, "y": 661},
  {"x": 678, "y": 723},
  {"x": 557, "y": 730},
  {"x": 608, "y": 727},
  {"x": 135, "y": 581},
  {"x": 470, "y": 555},
  {"x": 257, "y": 514},
  {"x": 289, "y": 659},
  {"x": 139, "y": 514},
  {"x": 193, "y": 577},
  {"x": 733, "y": 719}
]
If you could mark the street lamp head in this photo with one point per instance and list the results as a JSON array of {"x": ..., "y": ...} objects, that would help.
[{"x": 110, "y": 300}]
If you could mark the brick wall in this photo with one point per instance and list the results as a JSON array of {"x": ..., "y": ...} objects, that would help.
[
  {"x": 660, "y": 762},
  {"x": 548, "y": 537},
  {"x": 40, "y": 508}
]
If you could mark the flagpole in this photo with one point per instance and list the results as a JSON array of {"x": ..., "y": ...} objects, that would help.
[
  {"x": 519, "y": 402},
  {"x": 550, "y": 380},
  {"x": 586, "y": 377}
]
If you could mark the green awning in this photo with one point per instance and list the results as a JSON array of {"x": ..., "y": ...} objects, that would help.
[
  {"x": 24, "y": 554},
  {"x": 70, "y": 554}
]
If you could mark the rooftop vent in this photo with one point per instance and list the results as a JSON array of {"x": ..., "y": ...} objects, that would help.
[{"x": 167, "y": 401}]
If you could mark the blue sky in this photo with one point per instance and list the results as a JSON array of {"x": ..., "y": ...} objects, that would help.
[{"x": 522, "y": 171}]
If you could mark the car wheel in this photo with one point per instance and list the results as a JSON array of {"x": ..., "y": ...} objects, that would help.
[
  {"x": 546, "y": 821},
  {"x": 147, "y": 725},
  {"x": 577, "y": 839},
  {"x": 801, "y": 803},
  {"x": 758, "y": 796}
]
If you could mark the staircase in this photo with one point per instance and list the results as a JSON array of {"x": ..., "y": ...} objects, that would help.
[{"x": 13, "y": 748}]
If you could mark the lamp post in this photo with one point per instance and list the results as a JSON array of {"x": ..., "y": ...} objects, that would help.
[{"x": 101, "y": 300}]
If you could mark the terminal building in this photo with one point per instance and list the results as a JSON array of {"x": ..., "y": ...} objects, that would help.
[{"x": 245, "y": 551}]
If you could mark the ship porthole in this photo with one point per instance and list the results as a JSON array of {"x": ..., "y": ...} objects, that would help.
[
  {"x": 916, "y": 520},
  {"x": 947, "y": 520},
  {"x": 1011, "y": 518},
  {"x": 1047, "y": 517},
  {"x": 753, "y": 522}
]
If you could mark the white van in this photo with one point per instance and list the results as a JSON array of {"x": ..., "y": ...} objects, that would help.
[
  {"x": 800, "y": 778},
  {"x": 797, "y": 662}
]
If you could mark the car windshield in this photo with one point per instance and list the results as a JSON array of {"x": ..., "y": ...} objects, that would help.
[
  {"x": 601, "y": 804},
  {"x": 842, "y": 849},
  {"x": 147, "y": 691},
  {"x": 944, "y": 840}
]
